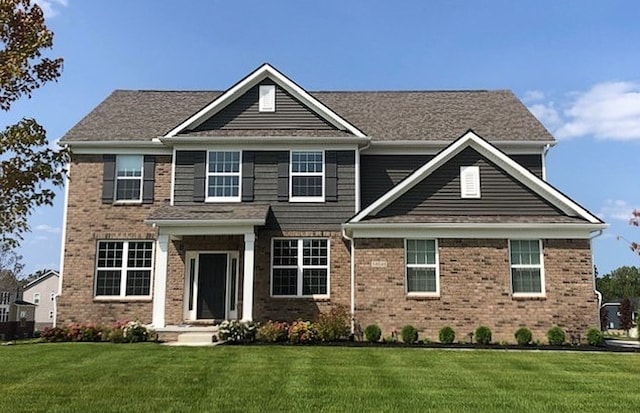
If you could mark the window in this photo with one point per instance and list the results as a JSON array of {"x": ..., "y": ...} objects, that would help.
[
  {"x": 526, "y": 267},
  {"x": 307, "y": 176},
  {"x": 300, "y": 267},
  {"x": 4, "y": 297},
  {"x": 124, "y": 268},
  {"x": 469, "y": 182},
  {"x": 223, "y": 176},
  {"x": 422, "y": 266},
  {"x": 129, "y": 178},
  {"x": 36, "y": 298},
  {"x": 4, "y": 315},
  {"x": 267, "y": 98}
]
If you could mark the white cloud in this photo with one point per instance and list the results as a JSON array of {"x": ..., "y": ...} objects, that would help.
[
  {"x": 616, "y": 209},
  {"x": 533, "y": 95},
  {"x": 547, "y": 114},
  {"x": 47, "y": 228},
  {"x": 50, "y": 7},
  {"x": 609, "y": 110}
]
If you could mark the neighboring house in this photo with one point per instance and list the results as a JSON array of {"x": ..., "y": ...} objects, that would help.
[
  {"x": 612, "y": 313},
  {"x": 16, "y": 315},
  {"x": 267, "y": 201},
  {"x": 42, "y": 292}
]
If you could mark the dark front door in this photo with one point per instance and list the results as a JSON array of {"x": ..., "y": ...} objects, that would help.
[{"x": 212, "y": 286}]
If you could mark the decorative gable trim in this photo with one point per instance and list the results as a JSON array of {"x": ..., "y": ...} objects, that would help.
[
  {"x": 254, "y": 78},
  {"x": 489, "y": 151}
]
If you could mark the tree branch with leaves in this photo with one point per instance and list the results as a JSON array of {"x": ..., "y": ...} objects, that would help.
[{"x": 29, "y": 166}]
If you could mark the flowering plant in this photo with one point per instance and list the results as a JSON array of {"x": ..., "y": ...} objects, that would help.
[
  {"x": 302, "y": 332},
  {"x": 236, "y": 331},
  {"x": 273, "y": 331}
]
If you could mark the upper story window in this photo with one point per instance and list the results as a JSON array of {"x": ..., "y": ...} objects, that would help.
[
  {"x": 307, "y": 176},
  {"x": 267, "y": 100},
  {"x": 129, "y": 178},
  {"x": 223, "y": 176},
  {"x": 422, "y": 266},
  {"x": 5, "y": 297},
  {"x": 527, "y": 276},
  {"x": 123, "y": 268},
  {"x": 470, "y": 182},
  {"x": 36, "y": 298}
]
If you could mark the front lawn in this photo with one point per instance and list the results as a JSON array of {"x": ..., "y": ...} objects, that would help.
[{"x": 86, "y": 377}]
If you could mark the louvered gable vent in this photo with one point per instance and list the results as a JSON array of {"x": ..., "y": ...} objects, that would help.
[{"x": 470, "y": 182}]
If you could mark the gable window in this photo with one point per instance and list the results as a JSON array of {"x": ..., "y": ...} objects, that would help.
[
  {"x": 123, "y": 269},
  {"x": 422, "y": 267},
  {"x": 223, "y": 176},
  {"x": 527, "y": 276},
  {"x": 129, "y": 178},
  {"x": 36, "y": 298},
  {"x": 267, "y": 100},
  {"x": 300, "y": 267},
  {"x": 470, "y": 182},
  {"x": 307, "y": 176}
]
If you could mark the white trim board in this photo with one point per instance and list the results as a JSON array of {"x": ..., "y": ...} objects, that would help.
[
  {"x": 261, "y": 73},
  {"x": 520, "y": 173}
]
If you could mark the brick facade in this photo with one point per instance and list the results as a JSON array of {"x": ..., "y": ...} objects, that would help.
[
  {"x": 475, "y": 289},
  {"x": 89, "y": 220}
]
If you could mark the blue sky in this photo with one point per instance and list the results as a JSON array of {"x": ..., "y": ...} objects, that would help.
[{"x": 575, "y": 65}]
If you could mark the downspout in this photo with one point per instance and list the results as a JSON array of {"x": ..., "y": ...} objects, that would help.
[
  {"x": 352, "y": 280},
  {"x": 598, "y": 293},
  {"x": 544, "y": 161},
  {"x": 63, "y": 238}
]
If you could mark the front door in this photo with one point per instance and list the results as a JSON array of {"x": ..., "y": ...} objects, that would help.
[{"x": 212, "y": 286}]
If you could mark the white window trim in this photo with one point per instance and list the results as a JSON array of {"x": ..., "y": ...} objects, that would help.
[
  {"x": 36, "y": 298},
  {"x": 5, "y": 297},
  {"x": 293, "y": 198},
  {"x": 473, "y": 173},
  {"x": 540, "y": 266},
  {"x": 300, "y": 267},
  {"x": 128, "y": 178},
  {"x": 123, "y": 272},
  {"x": 436, "y": 266},
  {"x": 4, "y": 315},
  {"x": 208, "y": 174},
  {"x": 263, "y": 104}
]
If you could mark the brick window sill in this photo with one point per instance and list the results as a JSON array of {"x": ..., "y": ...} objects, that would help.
[
  {"x": 529, "y": 297},
  {"x": 121, "y": 299},
  {"x": 422, "y": 297}
]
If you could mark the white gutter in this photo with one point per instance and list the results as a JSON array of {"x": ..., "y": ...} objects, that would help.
[
  {"x": 261, "y": 140},
  {"x": 593, "y": 272},
  {"x": 62, "y": 241},
  {"x": 202, "y": 222},
  {"x": 352, "y": 281}
]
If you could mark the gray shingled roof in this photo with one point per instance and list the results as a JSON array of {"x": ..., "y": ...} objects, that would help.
[
  {"x": 383, "y": 116},
  {"x": 476, "y": 219},
  {"x": 210, "y": 212}
]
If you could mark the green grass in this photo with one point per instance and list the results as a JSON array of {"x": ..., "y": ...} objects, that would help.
[{"x": 86, "y": 377}]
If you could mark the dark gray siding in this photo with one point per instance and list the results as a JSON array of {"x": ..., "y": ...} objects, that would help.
[
  {"x": 532, "y": 162},
  {"x": 284, "y": 215},
  {"x": 300, "y": 215},
  {"x": 439, "y": 193},
  {"x": 380, "y": 173},
  {"x": 243, "y": 114}
]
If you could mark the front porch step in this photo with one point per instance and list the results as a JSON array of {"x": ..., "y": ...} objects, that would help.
[
  {"x": 187, "y": 335},
  {"x": 203, "y": 337}
]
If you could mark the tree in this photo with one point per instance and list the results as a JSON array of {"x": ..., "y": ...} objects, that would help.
[
  {"x": 635, "y": 221},
  {"x": 28, "y": 165},
  {"x": 626, "y": 320},
  {"x": 623, "y": 282},
  {"x": 34, "y": 276},
  {"x": 10, "y": 261}
]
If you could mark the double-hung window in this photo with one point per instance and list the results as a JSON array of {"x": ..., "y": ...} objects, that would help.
[
  {"x": 223, "y": 176},
  {"x": 527, "y": 276},
  {"x": 36, "y": 298},
  {"x": 422, "y": 267},
  {"x": 129, "y": 178},
  {"x": 5, "y": 297},
  {"x": 124, "y": 269},
  {"x": 300, "y": 267},
  {"x": 4, "y": 315},
  {"x": 307, "y": 176}
]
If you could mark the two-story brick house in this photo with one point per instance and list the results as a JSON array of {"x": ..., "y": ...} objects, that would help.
[{"x": 266, "y": 201}]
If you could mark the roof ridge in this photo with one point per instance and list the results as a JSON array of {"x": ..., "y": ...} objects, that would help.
[{"x": 329, "y": 91}]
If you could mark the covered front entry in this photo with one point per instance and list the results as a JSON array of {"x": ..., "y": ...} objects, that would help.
[{"x": 211, "y": 285}]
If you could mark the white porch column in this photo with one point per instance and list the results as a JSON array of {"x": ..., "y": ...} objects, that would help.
[
  {"x": 160, "y": 280},
  {"x": 247, "y": 285}
]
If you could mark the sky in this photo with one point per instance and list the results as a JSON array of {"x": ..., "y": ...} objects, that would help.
[{"x": 575, "y": 64}]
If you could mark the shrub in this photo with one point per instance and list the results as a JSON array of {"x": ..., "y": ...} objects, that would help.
[
  {"x": 523, "y": 336},
  {"x": 334, "y": 325},
  {"x": 390, "y": 339},
  {"x": 483, "y": 335},
  {"x": 409, "y": 334},
  {"x": 447, "y": 335},
  {"x": 556, "y": 336},
  {"x": 302, "y": 332},
  {"x": 595, "y": 337},
  {"x": 236, "y": 331},
  {"x": 372, "y": 332},
  {"x": 116, "y": 335},
  {"x": 135, "y": 332},
  {"x": 53, "y": 334},
  {"x": 273, "y": 332}
]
